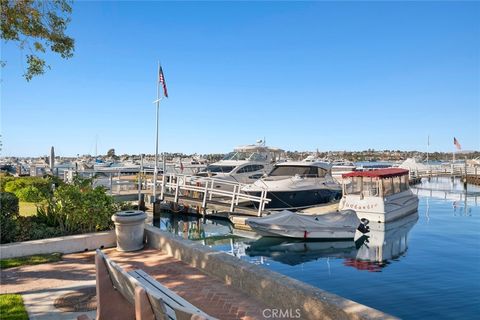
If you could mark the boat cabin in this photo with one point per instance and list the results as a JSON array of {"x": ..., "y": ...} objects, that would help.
[
  {"x": 375, "y": 183},
  {"x": 300, "y": 169}
]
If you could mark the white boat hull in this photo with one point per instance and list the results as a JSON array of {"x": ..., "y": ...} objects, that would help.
[{"x": 381, "y": 209}]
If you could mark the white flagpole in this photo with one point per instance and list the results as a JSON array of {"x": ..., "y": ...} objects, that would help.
[{"x": 156, "y": 138}]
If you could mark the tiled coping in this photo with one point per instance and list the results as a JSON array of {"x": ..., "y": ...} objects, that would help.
[{"x": 282, "y": 293}]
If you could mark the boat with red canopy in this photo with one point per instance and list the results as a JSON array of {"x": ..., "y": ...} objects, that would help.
[{"x": 378, "y": 195}]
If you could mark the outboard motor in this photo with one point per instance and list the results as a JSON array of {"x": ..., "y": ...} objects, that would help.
[{"x": 363, "y": 226}]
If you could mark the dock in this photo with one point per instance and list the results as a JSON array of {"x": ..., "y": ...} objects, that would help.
[
  {"x": 467, "y": 174},
  {"x": 206, "y": 196}
]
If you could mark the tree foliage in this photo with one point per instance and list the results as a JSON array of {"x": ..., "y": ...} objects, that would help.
[
  {"x": 111, "y": 153},
  {"x": 36, "y": 26},
  {"x": 30, "y": 189}
]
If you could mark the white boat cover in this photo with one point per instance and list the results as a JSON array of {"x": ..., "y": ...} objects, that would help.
[{"x": 289, "y": 222}]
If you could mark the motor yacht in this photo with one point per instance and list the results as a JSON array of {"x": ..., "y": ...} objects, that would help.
[
  {"x": 244, "y": 165},
  {"x": 378, "y": 195},
  {"x": 295, "y": 185}
]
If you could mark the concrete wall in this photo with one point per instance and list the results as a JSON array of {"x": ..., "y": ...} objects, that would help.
[
  {"x": 68, "y": 244},
  {"x": 273, "y": 289}
]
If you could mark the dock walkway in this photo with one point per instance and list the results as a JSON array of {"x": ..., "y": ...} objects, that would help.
[{"x": 204, "y": 291}]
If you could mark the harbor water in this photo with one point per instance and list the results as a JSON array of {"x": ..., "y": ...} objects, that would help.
[{"x": 425, "y": 266}]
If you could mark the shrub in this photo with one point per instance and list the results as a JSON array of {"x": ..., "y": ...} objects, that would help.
[
  {"x": 8, "y": 217},
  {"x": 67, "y": 209},
  {"x": 30, "y": 228},
  {"x": 78, "y": 208}
]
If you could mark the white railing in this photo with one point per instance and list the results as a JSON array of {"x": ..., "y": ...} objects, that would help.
[
  {"x": 455, "y": 170},
  {"x": 206, "y": 189}
]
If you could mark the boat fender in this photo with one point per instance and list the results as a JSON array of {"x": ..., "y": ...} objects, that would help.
[{"x": 305, "y": 234}]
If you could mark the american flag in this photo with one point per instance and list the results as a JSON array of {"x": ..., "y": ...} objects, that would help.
[
  {"x": 161, "y": 79},
  {"x": 457, "y": 144}
]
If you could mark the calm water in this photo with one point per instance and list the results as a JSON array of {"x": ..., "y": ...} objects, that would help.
[{"x": 426, "y": 266}]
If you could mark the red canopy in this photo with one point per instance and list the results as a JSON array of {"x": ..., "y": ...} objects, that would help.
[{"x": 378, "y": 173}]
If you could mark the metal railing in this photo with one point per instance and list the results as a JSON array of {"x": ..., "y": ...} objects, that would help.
[
  {"x": 453, "y": 170},
  {"x": 208, "y": 189}
]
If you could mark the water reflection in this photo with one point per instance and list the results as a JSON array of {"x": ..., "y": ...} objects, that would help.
[
  {"x": 293, "y": 252},
  {"x": 385, "y": 242},
  {"x": 461, "y": 196},
  {"x": 194, "y": 228}
]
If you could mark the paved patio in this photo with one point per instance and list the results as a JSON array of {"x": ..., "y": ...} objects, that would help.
[{"x": 41, "y": 283}]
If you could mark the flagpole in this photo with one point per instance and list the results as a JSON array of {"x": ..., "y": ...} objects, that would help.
[{"x": 156, "y": 140}]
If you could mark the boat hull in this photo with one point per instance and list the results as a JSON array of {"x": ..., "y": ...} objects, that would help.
[
  {"x": 298, "y": 199},
  {"x": 343, "y": 235},
  {"x": 379, "y": 209}
]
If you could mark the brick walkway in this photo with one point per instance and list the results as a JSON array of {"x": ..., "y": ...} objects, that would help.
[{"x": 206, "y": 292}]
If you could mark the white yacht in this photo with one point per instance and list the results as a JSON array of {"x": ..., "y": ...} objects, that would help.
[
  {"x": 380, "y": 195},
  {"x": 244, "y": 165},
  {"x": 295, "y": 185}
]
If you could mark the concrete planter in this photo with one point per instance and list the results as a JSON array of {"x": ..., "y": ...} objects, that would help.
[{"x": 67, "y": 244}]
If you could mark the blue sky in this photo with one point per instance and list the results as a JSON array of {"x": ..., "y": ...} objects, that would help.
[{"x": 305, "y": 75}]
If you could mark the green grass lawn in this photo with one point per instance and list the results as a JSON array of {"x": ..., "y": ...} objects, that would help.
[
  {"x": 12, "y": 308},
  {"x": 30, "y": 260},
  {"x": 27, "y": 208}
]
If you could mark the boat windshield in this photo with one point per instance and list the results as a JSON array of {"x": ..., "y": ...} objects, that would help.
[
  {"x": 365, "y": 186},
  {"x": 237, "y": 156},
  {"x": 373, "y": 186},
  {"x": 395, "y": 185},
  {"x": 303, "y": 171},
  {"x": 255, "y": 156},
  {"x": 216, "y": 168}
]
